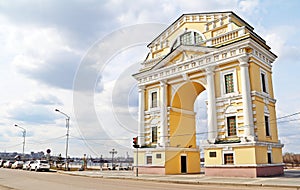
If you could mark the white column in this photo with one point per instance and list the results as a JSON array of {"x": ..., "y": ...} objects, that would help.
[
  {"x": 141, "y": 129},
  {"x": 211, "y": 105},
  {"x": 163, "y": 114},
  {"x": 246, "y": 96}
]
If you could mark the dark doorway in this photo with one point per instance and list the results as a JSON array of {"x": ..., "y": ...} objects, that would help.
[{"x": 183, "y": 164}]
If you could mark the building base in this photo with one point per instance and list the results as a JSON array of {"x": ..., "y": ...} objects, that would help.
[
  {"x": 247, "y": 171},
  {"x": 160, "y": 170}
]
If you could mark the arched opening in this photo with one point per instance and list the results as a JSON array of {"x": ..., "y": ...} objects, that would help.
[{"x": 184, "y": 117}]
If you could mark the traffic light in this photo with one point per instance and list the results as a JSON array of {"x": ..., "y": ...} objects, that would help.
[{"x": 135, "y": 142}]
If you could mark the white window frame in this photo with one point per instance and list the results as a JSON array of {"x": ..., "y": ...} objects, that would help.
[
  {"x": 223, "y": 84},
  {"x": 150, "y": 98},
  {"x": 263, "y": 72},
  {"x": 236, "y": 124},
  {"x": 151, "y": 130},
  {"x": 227, "y": 152},
  {"x": 269, "y": 128},
  {"x": 270, "y": 152},
  {"x": 267, "y": 113},
  {"x": 146, "y": 160}
]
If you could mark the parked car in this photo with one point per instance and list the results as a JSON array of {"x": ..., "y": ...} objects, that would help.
[
  {"x": 2, "y": 162},
  {"x": 17, "y": 165},
  {"x": 8, "y": 164},
  {"x": 40, "y": 165},
  {"x": 26, "y": 165}
]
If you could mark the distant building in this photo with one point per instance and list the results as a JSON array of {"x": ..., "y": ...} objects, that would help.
[{"x": 218, "y": 52}]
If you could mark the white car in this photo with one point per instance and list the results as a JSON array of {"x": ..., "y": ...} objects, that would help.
[
  {"x": 40, "y": 165},
  {"x": 17, "y": 165},
  {"x": 8, "y": 164},
  {"x": 26, "y": 165}
]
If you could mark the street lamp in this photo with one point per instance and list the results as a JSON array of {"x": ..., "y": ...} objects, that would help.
[
  {"x": 67, "y": 142},
  {"x": 24, "y": 135}
]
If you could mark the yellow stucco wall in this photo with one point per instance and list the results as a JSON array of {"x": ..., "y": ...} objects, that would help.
[
  {"x": 277, "y": 155},
  {"x": 215, "y": 160},
  {"x": 173, "y": 162},
  {"x": 244, "y": 155}
]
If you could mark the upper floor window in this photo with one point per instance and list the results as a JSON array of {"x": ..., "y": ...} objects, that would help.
[
  {"x": 228, "y": 82},
  {"x": 264, "y": 81},
  {"x": 267, "y": 126},
  {"x": 231, "y": 126},
  {"x": 188, "y": 38},
  {"x": 153, "y": 99},
  {"x": 154, "y": 134}
]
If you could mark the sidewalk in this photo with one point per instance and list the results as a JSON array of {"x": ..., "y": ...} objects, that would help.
[{"x": 291, "y": 179}]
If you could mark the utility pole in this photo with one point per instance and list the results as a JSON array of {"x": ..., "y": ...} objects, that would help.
[{"x": 113, "y": 152}]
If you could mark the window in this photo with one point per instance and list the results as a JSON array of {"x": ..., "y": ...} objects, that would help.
[
  {"x": 229, "y": 84},
  {"x": 269, "y": 154},
  {"x": 188, "y": 38},
  {"x": 153, "y": 99},
  {"x": 267, "y": 126},
  {"x": 154, "y": 134},
  {"x": 212, "y": 154},
  {"x": 149, "y": 159},
  {"x": 228, "y": 159},
  {"x": 158, "y": 156},
  {"x": 264, "y": 84},
  {"x": 198, "y": 38},
  {"x": 231, "y": 126},
  {"x": 228, "y": 81}
]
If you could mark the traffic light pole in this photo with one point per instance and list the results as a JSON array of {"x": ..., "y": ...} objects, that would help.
[{"x": 137, "y": 161}]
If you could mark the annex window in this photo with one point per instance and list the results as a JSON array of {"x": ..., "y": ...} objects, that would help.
[
  {"x": 148, "y": 159},
  {"x": 229, "y": 83},
  {"x": 269, "y": 155},
  {"x": 231, "y": 126},
  {"x": 228, "y": 159},
  {"x": 264, "y": 83},
  {"x": 153, "y": 99},
  {"x": 212, "y": 154},
  {"x": 158, "y": 156},
  {"x": 267, "y": 126},
  {"x": 154, "y": 134}
]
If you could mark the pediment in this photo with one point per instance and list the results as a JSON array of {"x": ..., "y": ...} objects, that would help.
[{"x": 182, "y": 53}]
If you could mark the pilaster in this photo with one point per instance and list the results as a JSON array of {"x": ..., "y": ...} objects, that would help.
[
  {"x": 163, "y": 114},
  {"x": 246, "y": 97},
  {"x": 141, "y": 129},
  {"x": 211, "y": 105}
]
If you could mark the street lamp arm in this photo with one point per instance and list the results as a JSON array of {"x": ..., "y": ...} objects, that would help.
[
  {"x": 68, "y": 117},
  {"x": 20, "y": 127}
]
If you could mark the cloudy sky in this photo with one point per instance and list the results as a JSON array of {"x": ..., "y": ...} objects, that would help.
[{"x": 78, "y": 56}]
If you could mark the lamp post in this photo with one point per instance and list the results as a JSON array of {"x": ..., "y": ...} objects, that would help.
[
  {"x": 24, "y": 135},
  {"x": 67, "y": 142},
  {"x": 113, "y": 152}
]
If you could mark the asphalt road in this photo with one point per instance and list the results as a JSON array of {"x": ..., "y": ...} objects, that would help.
[{"x": 25, "y": 180}]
